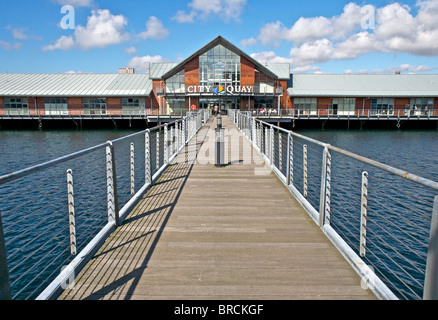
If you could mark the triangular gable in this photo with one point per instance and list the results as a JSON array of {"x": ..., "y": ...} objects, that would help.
[{"x": 220, "y": 41}]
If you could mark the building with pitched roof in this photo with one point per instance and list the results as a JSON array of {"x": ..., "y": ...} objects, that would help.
[{"x": 219, "y": 75}]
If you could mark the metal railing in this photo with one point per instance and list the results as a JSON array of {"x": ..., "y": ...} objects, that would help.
[
  {"x": 357, "y": 113},
  {"x": 382, "y": 219},
  {"x": 55, "y": 215}
]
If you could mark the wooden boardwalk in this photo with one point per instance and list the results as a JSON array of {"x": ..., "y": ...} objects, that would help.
[{"x": 218, "y": 233}]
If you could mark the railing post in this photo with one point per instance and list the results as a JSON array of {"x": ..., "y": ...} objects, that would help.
[
  {"x": 5, "y": 287},
  {"x": 324, "y": 202},
  {"x": 172, "y": 141},
  {"x": 305, "y": 184},
  {"x": 290, "y": 160},
  {"x": 147, "y": 158},
  {"x": 157, "y": 155},
  {"x": 431, "y": 279},
  {"x": 280, "y": 151},
  {"x": 363, "y": 214},
  {"x": 166, "y": 144},
  {"x": 177, "y": 137},
  {"x": 254, "y": 132},
  {"x": 71, "y": 212},
  {"x": 111, "y": 183},
  {"x": 132, "y": 169},
  {"x": 183, "y": 131},
  {"x": 271, "y": 147}
]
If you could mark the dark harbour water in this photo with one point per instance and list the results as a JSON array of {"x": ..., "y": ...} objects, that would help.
[{"x": 413, "y": 151}]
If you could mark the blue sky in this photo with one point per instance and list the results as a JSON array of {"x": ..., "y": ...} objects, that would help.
[{"x": 312, "y": 36}]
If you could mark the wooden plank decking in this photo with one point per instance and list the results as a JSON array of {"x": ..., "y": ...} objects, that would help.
[{"x": 218, "y": 233}]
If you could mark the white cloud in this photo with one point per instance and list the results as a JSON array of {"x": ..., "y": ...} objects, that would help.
[
  {"x": 154, "y": 30},
  {"x": 76, "y": 3},
  {"x": 272, "y": 33},
  {"x": 142, "y": 63},
  {"x": 10, "y": 46},
  {"x": 102, "y": 29},
  {"x": 314, "y": 28},
  {"x": 312, "y": 52},
  {"x": 63, "y": 43},
  {"x": 270, "y": 57},
  {"x": 227, "y": 10},
  {"x": 404, "y": 68},
  {"x": 248, "y": 42},
  {"x": 357, "y": 45},
  {"x": 321, "y": 39},
  {"x": 183, "y": 17},
  {"x": 400, "y": 31},
  {"x": 131, "y": 50},
  {"x": 18, "y": 33}
]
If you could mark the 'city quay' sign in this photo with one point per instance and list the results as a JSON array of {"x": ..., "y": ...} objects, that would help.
[{"x": 220, "y": 90}]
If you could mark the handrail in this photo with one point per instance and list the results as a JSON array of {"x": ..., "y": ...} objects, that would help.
[
  {"x": 401, "y": 173},
  {"x": 330, "y": 186},
  {"x": 157, "y": 146}
]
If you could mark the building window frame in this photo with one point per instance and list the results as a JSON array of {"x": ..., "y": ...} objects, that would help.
[
  {"x": 176, "y": 106},
  {"x": 176, "y": 83},
  {"x": 133, "y": 106},
  {"x": 343, "y": 106},
  {"x": 219, "y": 66},
  {"x": 306, "y": 106},
  {"x": 93, "y": 106},
  {"x": 16, "y": 106},
  {"x": 56, "y": 106},
  {"x": 382, "y": 106},
  {"x": 420, "y": 106}
]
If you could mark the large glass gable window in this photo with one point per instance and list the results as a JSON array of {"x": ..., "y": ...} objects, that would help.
[
  {"x": 219, "y": 66},
  {"x": 176, "y": 84}
]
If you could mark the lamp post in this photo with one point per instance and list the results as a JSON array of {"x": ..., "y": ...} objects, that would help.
[{"x": 219, "y": 143}]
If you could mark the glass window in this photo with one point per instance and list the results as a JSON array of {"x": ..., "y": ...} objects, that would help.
[
  {"x": 265, "y": 104},
  {"x": 176, "y": 106},
  {"x": 421, "y": 106},
  {"x": 133, "y": 106},
  {"x": 219, "y": 66},
  {"x": 94, "y": 105},
  {"x": 56, "y": 106},
  {"x": 16, "y": 106},
  {"x": 382, "y": 106},
  {"x": 305, "y": 105},
  {"x": 343, "y": 106},
  {"x": 176, "y": 84}
]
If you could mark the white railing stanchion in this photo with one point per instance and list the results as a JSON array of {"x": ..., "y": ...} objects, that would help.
[
  {"x": 431, "y": 279},
  {"x": 363, "y": 214},
  {"x": 112, "y": 198},
  {"x": 71, "y": 212}
]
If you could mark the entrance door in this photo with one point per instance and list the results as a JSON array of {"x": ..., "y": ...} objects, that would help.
[
  {"x": 223, "y": 103},
  {"x": 335, "y": 109}
]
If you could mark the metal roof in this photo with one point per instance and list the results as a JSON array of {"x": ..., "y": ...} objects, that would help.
[
  {"x": 330, "y": 85},
  {"x": 282, "y": 70},
  {"x": 78, "y": 84},
  {"x": 157, "y": 70}
]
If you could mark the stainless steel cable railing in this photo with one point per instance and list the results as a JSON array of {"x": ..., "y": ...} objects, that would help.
[
  {"x": 382, "y": 219},
  {"x": 55, "y": 215}
]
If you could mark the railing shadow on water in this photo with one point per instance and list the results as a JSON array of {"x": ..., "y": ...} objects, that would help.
[
  {"x": 55, "y": 215},
  {"x": 382, "y": 219}
]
